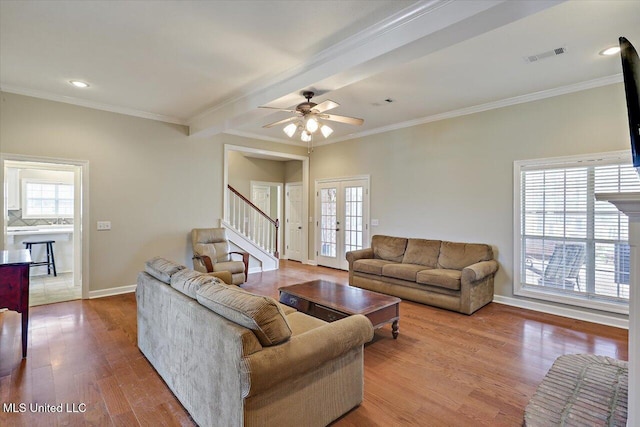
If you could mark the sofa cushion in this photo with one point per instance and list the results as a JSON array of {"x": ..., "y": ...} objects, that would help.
[
  {"x": 162, "y": 269},
  {"x": 371, "y": 266},
  {"x": 189, "y": 281},
  {"x": 287, "y": 310},
  {"x": 449, "y": 279},
  {"x": 388, "y": 248},
  {"x": 261, "y": 314},
  {"x": 456, "y": 256},
  {"x": 402, "y": 271},
  {"x": 301, "y": 323},
  {"x": 422, "y": 252}
]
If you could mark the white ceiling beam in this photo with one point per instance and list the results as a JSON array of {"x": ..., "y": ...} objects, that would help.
[{"x": 414, "y": 32}]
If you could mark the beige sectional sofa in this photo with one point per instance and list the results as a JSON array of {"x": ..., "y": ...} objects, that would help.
[
  {"x": 454, "y": 276},
  {"x": 234, "y": 358}
]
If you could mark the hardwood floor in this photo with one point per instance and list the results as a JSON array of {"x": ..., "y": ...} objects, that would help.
[{"x": 445, "y": 368}]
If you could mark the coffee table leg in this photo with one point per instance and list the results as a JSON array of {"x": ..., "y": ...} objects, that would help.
[{"x": 394, "y": 329}]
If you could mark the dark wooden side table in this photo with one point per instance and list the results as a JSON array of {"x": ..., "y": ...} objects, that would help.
[
  {"x": 14, "y": 287},
  {"x": 330, "y": 301}
]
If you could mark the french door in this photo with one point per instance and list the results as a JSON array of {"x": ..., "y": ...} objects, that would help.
[{"x": 343, "y": 220}]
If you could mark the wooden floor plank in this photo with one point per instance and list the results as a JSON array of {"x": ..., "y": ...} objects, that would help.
[{"x": 445, "y": 368}]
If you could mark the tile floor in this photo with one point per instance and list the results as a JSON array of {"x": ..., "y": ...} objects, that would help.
[{"x": 45, "y": 289}]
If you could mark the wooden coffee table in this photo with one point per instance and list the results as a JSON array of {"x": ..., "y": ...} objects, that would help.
[{"x": 330, "y": 301}]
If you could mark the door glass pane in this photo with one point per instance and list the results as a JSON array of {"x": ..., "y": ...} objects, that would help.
[
  {"x": 328, "y": 222},
  {"x": 353, "y": 218}
]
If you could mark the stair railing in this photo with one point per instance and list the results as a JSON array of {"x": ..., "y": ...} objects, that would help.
[{"x": 250, "y": 221}]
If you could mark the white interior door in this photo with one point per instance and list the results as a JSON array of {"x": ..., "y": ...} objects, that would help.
[
  {"x": 343, "y": 220},
  {"x": 261, "y": 197},
  {"x": 293, "y": 225}
]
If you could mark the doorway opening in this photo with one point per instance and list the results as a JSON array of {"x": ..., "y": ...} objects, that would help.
[
  {"x": 256, "y": 173},
  {"x": 43, "y": 213}
]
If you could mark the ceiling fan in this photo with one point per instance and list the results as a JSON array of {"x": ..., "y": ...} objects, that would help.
[{"x": 309, "y": 116}]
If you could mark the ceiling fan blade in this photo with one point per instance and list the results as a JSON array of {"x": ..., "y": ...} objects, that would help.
[
  {"x": 325, "y": 106},
  {"x": 343, "y": 119},
  {"x": 280, "y": 122},
  {"x": 279, "y": 109}
]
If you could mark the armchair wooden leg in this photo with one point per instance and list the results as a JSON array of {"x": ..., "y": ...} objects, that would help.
[{"x": 245, "y": 260}]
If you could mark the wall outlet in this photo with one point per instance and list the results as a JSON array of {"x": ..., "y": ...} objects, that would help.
[
  {"x": 104, "y": 225},
  {"x": 374, "y": 222}
]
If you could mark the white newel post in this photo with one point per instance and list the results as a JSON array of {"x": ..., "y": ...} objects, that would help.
[{"x": 629, "y": 203}]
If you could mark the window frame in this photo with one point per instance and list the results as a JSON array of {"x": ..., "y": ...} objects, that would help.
[
  {"x": 519, "y": 289},
  {"x": 25, "y": 214}
]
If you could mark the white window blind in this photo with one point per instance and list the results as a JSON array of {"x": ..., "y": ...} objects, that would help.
[{"x": 569, "y": 243}]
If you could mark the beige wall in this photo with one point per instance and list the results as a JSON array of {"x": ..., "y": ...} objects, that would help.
[
  {"x": 243, "y": 170},
  {"x": 453, "y": 179},
  {"x": 450, "y": 180},
  {"x": 293, "y": 171},
  {"x": 152, "y": 181}
]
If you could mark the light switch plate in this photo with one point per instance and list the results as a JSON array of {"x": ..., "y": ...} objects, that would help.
[
  {"x": 104, "y": 225},
  {"x": 374, "y": 222}
]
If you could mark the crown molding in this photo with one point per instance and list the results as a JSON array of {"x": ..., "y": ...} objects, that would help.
[
  {"x": 292, "y": 141},
  {"x": 252, "y": 135},
  {"x": 90, "y": 104},
  {"x": 521, "y": 99}
]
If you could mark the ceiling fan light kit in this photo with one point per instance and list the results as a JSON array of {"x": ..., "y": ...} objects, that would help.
[
  {"x": 309, "y": 118},
  {"x": 290, "y": 129},
  {"x": 326, "y": 131}
]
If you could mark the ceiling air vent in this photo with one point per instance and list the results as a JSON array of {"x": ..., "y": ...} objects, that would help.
[{"x": 547, "y": 54}]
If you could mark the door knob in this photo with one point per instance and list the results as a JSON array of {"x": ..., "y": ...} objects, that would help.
[
  {"x": 299, "y": 228},
  {"x": 337, "y": 229}
]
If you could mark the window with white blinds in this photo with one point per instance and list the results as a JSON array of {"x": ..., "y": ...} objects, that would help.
[{"x": 570, "y": 247}]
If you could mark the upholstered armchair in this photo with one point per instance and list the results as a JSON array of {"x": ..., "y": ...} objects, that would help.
[{"x": 212, "y": 253}]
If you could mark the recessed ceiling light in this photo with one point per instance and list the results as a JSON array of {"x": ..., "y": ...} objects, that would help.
[
  {"x": 78, "y": 83},
  {"x": 610, "y": 51}
]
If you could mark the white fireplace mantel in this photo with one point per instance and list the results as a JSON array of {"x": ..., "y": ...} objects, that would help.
[{"x": 629, "y": 204}]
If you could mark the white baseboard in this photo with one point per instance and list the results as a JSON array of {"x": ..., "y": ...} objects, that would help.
[
  {"x": 571, "y": 313},
  {"x": 112, "y": 291},
  {"x": 311, "y": 262}
]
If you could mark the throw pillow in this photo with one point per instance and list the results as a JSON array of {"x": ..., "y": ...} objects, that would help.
[
  {"x": 188, "y": 281},
  {"x": 162, "y": 269},
  {"x": 261, "y": 314}
]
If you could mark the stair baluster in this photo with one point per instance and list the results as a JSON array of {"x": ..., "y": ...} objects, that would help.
[{"x": 248, "y": 220}]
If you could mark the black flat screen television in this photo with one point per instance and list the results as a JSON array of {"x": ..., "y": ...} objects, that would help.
[{"x": 631, "y": 73}]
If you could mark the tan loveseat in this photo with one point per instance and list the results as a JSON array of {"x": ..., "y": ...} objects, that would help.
[
  {"x": 234, "y": 358},
  {"x": 454, "y": 276}
]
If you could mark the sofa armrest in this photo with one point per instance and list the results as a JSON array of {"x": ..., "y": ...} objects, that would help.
[
  {"x": 479, "y": 271},
  {"x": 359, "y": 254},
  {"x": 303, "y": 353}
]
